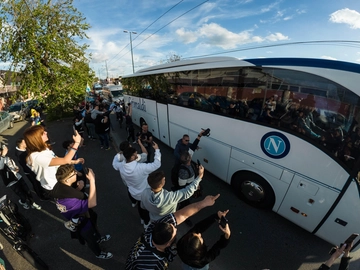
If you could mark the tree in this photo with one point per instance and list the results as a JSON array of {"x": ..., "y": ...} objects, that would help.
[
  {"x": 41, "y": 41},
  {"x": 172, "y": 57}
]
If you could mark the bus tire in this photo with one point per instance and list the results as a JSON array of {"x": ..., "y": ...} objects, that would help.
[
  {"x": 253, "y": 189},
  {"x": 32, "y": 257}
]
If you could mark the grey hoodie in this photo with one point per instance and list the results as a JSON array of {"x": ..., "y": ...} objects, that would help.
[{"x": 165, "y": 202}]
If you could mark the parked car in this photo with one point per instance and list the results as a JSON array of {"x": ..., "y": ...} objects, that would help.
[
  {"x": 6, "y": 121},
  {"x": 224, "y": 102},
  {"x": 33, "y": 104},
  {"x": 18, "y": 111},
  {"x": 194, "y": 99}
]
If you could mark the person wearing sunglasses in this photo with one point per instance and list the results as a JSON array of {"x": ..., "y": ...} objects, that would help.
[{"x": 184, "y": 145}]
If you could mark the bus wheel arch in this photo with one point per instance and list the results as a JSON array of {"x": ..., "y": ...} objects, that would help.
[
  {"x": 142, "y": 121},
  {"x": 253, "y": 189}
]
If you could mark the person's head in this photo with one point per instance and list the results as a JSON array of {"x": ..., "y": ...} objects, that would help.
[
  {"x": 185, "y": 139},
  {"x": 124, "y": 145},
  {"x": 35, "y": 139},
  {"x": 156, "y": 180},
  {"x": 130, "y": 154},
  {"x": 66, "y": 174},
  {"x": 185, "y": 158},
  {"x": 68, "y": 144},
  {"x": 163, "y": 235},
  {"x": 20, "y": 143},
  {"x": 144, "y": 128},
  {"x": 191, "y": 246}
]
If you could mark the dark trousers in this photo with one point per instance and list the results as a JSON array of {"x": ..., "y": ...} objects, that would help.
[
  {"x": 131, "y": 133},
  {"x": 104, "y": 139},
  {"x": 91, "y": 236},
  {"x": 36, "y": 185},
  {"x": 143, "y": 213},
  {"x": 22, "y": 190},
  {"x": 131, "y": 198},
  {"x": 151, "y": 153}
]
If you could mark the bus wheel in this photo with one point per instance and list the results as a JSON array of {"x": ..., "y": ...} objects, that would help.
[{"x": 253, "y": 189}]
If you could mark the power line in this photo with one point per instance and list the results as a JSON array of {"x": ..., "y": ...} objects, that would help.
[
  {"x": 148, "y": 27},
  {"x": 171, "y": 22},
  {"x": 164, "y": 27}
]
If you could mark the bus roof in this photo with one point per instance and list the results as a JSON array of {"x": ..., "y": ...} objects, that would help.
[{"x": 222, "y": 62}]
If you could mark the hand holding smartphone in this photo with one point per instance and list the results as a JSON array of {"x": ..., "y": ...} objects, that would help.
[
  {"x": 348, "y": 242},
  {"x": 223, "y": 222}
]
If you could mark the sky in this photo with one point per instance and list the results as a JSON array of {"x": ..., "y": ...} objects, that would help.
[{"x": 197, "y": 28}]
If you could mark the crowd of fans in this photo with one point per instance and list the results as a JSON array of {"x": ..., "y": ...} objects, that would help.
[{"x": 73, "y": 186}]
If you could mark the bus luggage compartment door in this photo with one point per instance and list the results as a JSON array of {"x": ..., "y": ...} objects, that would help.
[
  {"x": 306, "y": 202},
  {"x": 344, "y": 219}
]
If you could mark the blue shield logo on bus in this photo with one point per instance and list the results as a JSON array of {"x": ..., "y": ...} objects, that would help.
[{"x": 275, "y": 145}]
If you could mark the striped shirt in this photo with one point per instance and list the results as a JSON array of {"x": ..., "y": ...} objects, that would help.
[{"x": 144, "y": 256}]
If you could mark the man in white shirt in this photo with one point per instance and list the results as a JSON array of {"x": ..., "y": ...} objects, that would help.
[{"x": 135, "y": 175}]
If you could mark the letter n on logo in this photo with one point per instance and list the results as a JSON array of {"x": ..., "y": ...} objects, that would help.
[{"x": 275, "y": 145}]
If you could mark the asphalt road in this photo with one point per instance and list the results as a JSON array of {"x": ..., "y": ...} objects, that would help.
[{"x": 260, "y": 239}]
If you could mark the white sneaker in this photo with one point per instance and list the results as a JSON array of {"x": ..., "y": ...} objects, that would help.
[
  {"x": 25, "y": 205},
  {"x": 104, "y": 255},
  {"x": 35, "y": 206}
]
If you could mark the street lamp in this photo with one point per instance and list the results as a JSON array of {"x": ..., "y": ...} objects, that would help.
[{"x": 132, "y": 57}]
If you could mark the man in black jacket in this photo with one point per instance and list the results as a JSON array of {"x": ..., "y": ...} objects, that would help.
[{"x": 102, "y": 128}]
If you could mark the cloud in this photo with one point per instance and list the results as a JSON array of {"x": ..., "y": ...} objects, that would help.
[
  {"x": 276, "y": 37},
  {"x": 347, "y": 16},
  {"x": 328, "y": 57},
  {"x": 214, "y": 35}
]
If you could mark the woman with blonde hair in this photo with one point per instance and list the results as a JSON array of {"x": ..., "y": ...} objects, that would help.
[{"x": 43, "y": 161}]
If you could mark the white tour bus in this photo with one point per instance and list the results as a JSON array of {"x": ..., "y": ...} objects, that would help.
[{"x": 284, "y": 131}]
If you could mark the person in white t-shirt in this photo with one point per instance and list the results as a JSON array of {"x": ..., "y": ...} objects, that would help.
[{"x": 43, "y": 161}]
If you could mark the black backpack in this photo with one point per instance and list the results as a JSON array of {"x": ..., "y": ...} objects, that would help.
[{"x": 7, "y": 175}]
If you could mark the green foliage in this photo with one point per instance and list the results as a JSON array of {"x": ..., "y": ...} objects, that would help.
[
  {"x": 41, "y": 39},
  {"x": 173, "y": 57}
]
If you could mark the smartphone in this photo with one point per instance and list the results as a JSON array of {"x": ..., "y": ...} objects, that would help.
[
  {"x": 198, "y": 162},
  {"x": 332, "y": 250},
  {"x": 348, "y": 241},
  {"x": 223, "y": 221},
  {"x": 86, "y": 170},
  {"x": 351, "y": 238}
]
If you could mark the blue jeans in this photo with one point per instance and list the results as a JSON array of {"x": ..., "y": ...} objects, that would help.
[
  {"x": 104, "y": 139},
  {"x": 187, "y": 267},
  {"x": 91, "y": 129}
]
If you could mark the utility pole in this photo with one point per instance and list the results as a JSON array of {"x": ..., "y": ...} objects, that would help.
[{"x": 107, "y": 72}]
